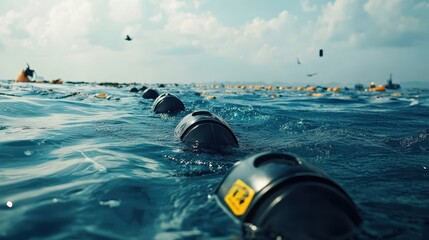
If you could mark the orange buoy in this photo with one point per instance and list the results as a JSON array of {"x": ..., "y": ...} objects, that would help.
[
  {"x": 380, "y": 88},
  {"x": 22, "y": 77},
  {"x": 311, "y": 88},
  {"x": 299, "y": 88},
  {"x": 336, "y": 89},
  {"x": 101, "y": 95}
]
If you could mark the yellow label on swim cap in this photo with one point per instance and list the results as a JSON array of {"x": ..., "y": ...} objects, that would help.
[{"x": 239, "y": 197}]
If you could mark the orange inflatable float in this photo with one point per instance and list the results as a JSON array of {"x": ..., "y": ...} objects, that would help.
[{"x": 25, "y": 74}]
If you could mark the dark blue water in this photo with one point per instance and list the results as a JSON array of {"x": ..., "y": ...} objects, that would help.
[{"x": 73, "y": 166}]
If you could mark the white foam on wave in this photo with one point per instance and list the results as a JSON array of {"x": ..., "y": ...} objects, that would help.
[
  {"x": 414, "y": 102},
  {"x": 28, "y": 153},
  {"x": 110, "y": 203},
  {"x": 96, "y": 165}
]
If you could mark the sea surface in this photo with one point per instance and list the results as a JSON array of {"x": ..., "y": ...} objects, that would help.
[{"x": 73, "y": 166}]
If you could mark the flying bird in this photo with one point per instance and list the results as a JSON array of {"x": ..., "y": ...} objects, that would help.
[
  {"x": 297, "y": 61},
  {"x": 128, "y": 38},
  {"x": 311, "y": 74}
]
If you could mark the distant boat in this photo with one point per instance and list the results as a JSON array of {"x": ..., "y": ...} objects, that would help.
[
  {"x": 359, "y": 87},
  {"x": 391, "y": 85}
]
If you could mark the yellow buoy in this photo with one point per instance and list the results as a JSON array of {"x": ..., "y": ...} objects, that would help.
[
  {"x": 299, "y": 88},
  {"x": 310, "y": 88},
  {"x": 316, "y": 94},
  {"x": 101, "y": 95},
  {"x": 336, "y": 89}
]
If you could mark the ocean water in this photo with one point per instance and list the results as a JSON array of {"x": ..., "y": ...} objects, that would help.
[{"x": 73, "y": 166}]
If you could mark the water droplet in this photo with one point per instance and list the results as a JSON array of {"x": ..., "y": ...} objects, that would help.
[{"x": 9, "y": 204}]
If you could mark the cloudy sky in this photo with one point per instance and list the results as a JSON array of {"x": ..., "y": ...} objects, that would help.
[{"x": 217, "y": 41}]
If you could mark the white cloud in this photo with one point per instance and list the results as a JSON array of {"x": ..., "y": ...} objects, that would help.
[
  {"x": 191, "y": 24},
  {"x": 197, "y": 4},
  {"x": 372, "y": 23},
  {"x": 81, "y": 32},
  {"x": 264, "y": 54},
  {"x": 259, "y": 27},
  {"x": 157, "y": 18},
  {"x": 37, "y": 24},
  {"x": 389, "y": 16},
  {"x": 171, "y": 6},
  {"x": 6, "y": 21},
  {"x": 69, "y": 20},
  {"x": 125, "y": 10},
  {"x": 307, "y": 7},
  {"x": 257, "y": 42}
]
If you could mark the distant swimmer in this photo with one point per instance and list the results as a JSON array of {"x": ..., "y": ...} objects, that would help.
[
  {"x": 128, "y": 38},
  {"x": 311, "y": 74},
  {"x": 297, "y": 61}
]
